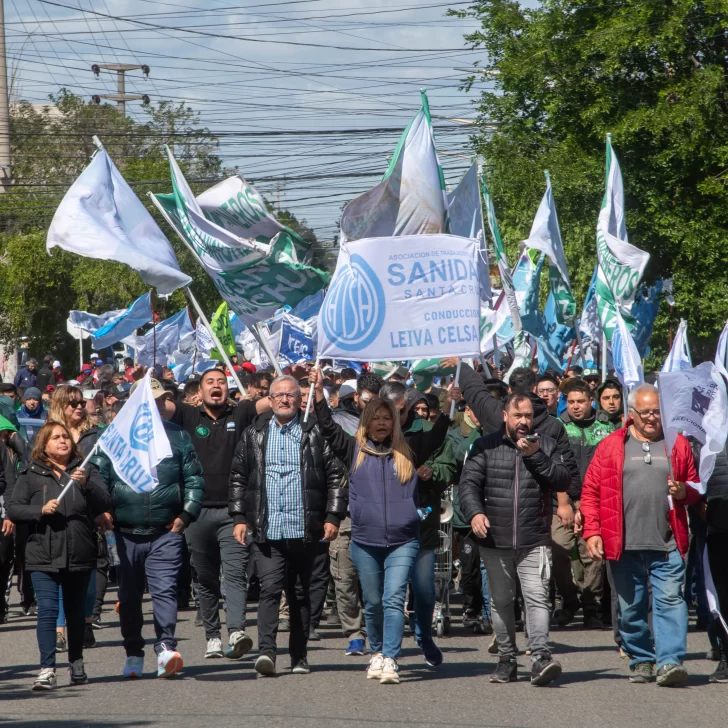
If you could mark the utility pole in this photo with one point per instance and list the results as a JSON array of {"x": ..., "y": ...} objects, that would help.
[
  {"x": 121, "y": 97},
  {"x": 4, "y": 109}
]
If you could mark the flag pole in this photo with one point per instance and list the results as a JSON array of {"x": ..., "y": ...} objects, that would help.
[
  {"x": 582, "y": 355},
  {"x": 80, "y": 351},
  {"x": 263, "y": 341},
  {"x": 456, "y": 383},
  {"x": 312, "y": 383},
  {"x": 70, "y": 483},
  {"x": 604, "y": 356},
  {"x": 219, "y": 346}
]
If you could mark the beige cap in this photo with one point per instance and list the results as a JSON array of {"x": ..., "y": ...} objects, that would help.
[{"x": 157, "y": 389}]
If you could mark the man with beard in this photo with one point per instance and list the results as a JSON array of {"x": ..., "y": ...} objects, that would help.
[
  {"x": 505, "y": 493},
  {"x": 216, "y": 427}
]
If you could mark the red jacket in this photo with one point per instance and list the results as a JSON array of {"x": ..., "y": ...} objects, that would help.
[{"x": 601, "y": 495}]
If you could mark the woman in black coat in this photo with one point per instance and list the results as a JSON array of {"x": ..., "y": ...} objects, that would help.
[{"x": 61, "y": 548}]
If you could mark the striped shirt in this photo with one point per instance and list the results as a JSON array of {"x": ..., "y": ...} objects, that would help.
[{"x": 283, "y": 480}]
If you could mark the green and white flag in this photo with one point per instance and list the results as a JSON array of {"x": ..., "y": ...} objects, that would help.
[
  {"x": 621, "y": 265},
  {"x": 424, "y": 371},
  {"x": 411, "y": 199},
  {"x": 254, "y": 279},
  {"x": 546, "y": 237},
  {"x": 500, "y": 255},
  {"x": 235, "y": 205}
]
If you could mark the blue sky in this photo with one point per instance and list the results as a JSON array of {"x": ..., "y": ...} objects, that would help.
[{"x": 309, "y": 65}]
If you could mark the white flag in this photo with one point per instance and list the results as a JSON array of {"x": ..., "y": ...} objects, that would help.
[
  {"x": 721, "y": 354},
  {"x": 621, "y": 265},
  {"x": 626, "y": 358},
  {"x": 694, "y": 402},
  {"x": 101, "y": 217},
  {"x": 679, "y": 356},
  {"x": 411, "y": 199},
  {"x": 136, "y": 441}
]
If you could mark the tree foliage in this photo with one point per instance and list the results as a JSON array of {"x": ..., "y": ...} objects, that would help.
[
  {"x": 50, "y": 147},
  {"x": 653, "y": 73}
]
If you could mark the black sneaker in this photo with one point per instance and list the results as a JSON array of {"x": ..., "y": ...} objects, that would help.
[
  {"x": 284, "y": 625},
  {"x": 313, "y": 636},
  {"x": 721, "y": 673},
  {"x": 89, "y": 640},
  {"x": 544, "y": 670},
  {"x": 96, "y": 623},
  {"x": 506, "y": 671},
  {"x": 77, "y": 673},
  {"x": 300, "y": 667}
]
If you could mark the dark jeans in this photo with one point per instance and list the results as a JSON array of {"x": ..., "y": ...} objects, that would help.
[
  {"x": 158, "y": 558},
  {"x": 7, "y": 554},
  {"x": 25, "y": 584},
  {"x": 320, "y": 578},
  {"x": 471, "y": 580},
  {"x": 717, "y": 544},
  {"x": 75, "y": 584},
  {"x": 211, "y": 543},
  {"x": 279, "y": 564}
]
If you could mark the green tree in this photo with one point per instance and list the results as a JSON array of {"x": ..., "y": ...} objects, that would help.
[
  {"x": 654, "y": 73},
  {"x": 50, "y": 147}
]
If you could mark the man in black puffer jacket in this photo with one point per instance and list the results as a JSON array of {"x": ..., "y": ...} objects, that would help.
[
  {"x": 289, "y": 489},
  {"x": 505, "y": 495},
  {"x": 149, "y": 531}
]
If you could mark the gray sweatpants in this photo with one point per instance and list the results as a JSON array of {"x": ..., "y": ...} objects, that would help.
[{"x": 533, "y": 567}]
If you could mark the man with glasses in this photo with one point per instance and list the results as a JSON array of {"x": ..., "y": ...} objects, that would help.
[
  {"x": 289, "y": 490},
  {"x": 633, "y": 505},
  {"x": 547, "y": 389}
]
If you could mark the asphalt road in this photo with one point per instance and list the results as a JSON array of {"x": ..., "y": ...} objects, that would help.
[{"x": 593, "y": 691}]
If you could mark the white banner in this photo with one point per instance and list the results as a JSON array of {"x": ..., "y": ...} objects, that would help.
[
  {"x": 417, "y": 299},
  {"x": 136, "y": 441},
  {"x": 694, "y": 402},
  {"x": 679, "y": 356},
  {"x": 721, "y": 354}
]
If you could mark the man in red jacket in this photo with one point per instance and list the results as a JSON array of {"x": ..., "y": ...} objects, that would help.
[{"x": 633, "y": 506}]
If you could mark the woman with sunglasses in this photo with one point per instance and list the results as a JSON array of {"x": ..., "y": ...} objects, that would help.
[
  {"x": 385, "y": 522},
  {"x": 68, "y": 407},
  {"x": 61, "y": 548}
]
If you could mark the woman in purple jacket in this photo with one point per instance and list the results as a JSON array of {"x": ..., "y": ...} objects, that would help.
[{"x": 385, "y": 521}]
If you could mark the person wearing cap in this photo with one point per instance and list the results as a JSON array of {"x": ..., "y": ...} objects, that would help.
[
  {"x": 592, "y": 377},
  {"x": 149, "y": 530},
  {"x": 32, "y": 404},
  {"x": 46, "y": 375},
  {"x": 216, "y": 426},
  {"x": 27, "y": 376}
]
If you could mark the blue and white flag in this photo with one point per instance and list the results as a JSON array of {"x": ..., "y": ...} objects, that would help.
[
  {"x": 101, "y": 217},
  {"x": 626, "y": 358},
  {"x": 136, "y": 441},
  {"x": 418, "y": 299},
  {"x": 694, "y": 402},
  {"x": 297, "y": 344},
  {"x": 679, "y": 357},
  {"x": 310, "y": 306},
  {"x": 644, "y": 312},
  {"x": 166, "y": 335},
  {"x": 123, "y": 325},
  {"x": 81, "y": 324}
]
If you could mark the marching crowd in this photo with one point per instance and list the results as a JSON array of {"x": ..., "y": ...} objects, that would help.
[{"x": 565, "y": 499}]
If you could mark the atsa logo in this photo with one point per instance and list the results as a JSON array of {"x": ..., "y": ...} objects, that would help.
[
  {"x": 141, "y": 428},
  {"x": 354, "y": 308}
]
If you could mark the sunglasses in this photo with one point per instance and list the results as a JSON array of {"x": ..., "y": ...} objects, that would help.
[
  {"x": 646, "y": 451},
  {"x": 80, "y": 403}
]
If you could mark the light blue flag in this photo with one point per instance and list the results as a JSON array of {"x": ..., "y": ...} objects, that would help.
[
  {"x": 166, "y": 335},
  {"x": 560, "y": 336},
  {"x": 138, "y": 314},
  {"x": 644, "y": 312}
]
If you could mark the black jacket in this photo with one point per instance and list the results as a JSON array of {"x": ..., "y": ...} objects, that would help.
[
  {"x": 323, "y": 480},
  {"x": 512, "y": 490},
  {"x": 716, "y": 494},
  {"x": 489, "y": 413},
  {"x": 67, "y": 539}
]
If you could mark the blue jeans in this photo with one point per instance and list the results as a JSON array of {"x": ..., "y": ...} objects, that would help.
[
  {"x": 383, "y": 574},
  {"x": 47, "y": 594},
  {"x": 159, "y": 559},
  {"x": 423, "y": 591},
  {"x": 486, "y": 598},
  {"x": 666, "y": 573}
]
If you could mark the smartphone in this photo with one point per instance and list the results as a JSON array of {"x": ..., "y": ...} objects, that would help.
[{"x": 532, "y": 438}]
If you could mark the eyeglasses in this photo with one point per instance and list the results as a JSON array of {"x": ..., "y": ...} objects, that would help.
[
  {"x": 80, "y": 403},
  {"x": 646, "y": 451},
  {"x": 549, "y": 390},
  {"x": 278, "y": 396},
  {"x": 647, "y": 413}
]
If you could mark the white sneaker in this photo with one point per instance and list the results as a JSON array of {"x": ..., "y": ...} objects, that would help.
[
  {"x": 46, "y": 679},
  {"x": 376, "y": 663},
  {"x": 214, "y": 648},
  {"x": 238, "y": 644},
  {"x": 134, "y": 667},
  {"x": 390, "y": 676},
  {"x": 169, "y": 662}
]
